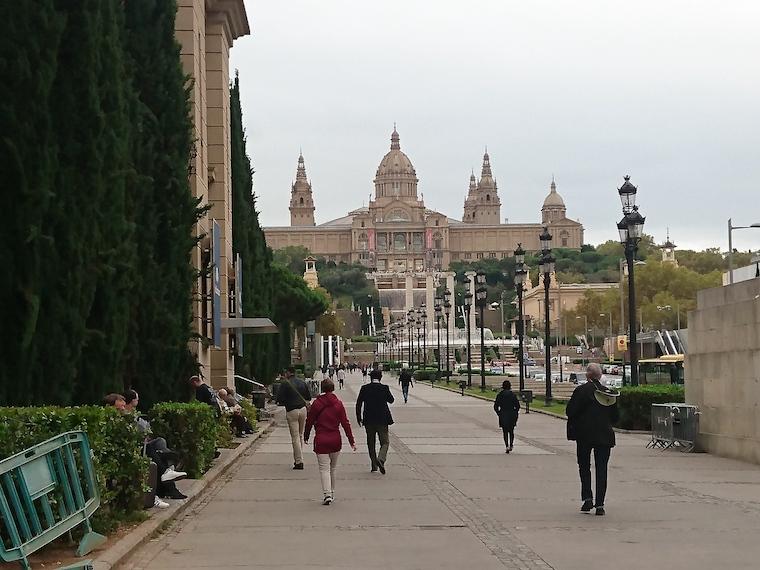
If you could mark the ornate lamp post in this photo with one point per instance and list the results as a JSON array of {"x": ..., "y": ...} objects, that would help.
[
  {"x": 438, "y": 311},
  {"x": 480, "y": 300},
  {"x": 447, "y": 313},
  {"x": 423, "y": 315},
  {"x": 546, "y": 266},
  {"x": 631, "y": 228},
  {"x": 467, "y": 311},
  {"x": 418, "y": 325},
  {"x": 520, "y": 273},
  {"x": 410, "y": 333}
]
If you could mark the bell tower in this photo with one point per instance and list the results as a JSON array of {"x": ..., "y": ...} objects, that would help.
[{"x": 301, "y": 200}]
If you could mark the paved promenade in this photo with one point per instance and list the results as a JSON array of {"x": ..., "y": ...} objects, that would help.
[{"x": 453, "y": 499}]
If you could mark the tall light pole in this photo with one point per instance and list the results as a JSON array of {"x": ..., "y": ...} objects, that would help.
[
  {"x": 520, "y": 273},
  {"x": 609, "y": 353},
  {"x": 585, "y": 324},
  {"x": 480, "y": 300},
  {"x": 410, "y": 333},
  {"x": 447, "y": 313},
  {"x": 731, "y": 248},
  {"x": 418, "y": 324},
  {"x": 467, "y": 310},
  {"x": 424, "y": 336},
  {"x": 546, "y": 266},
  {"x": 438, "y": 315},
  {"x": 631, "y": 228}
]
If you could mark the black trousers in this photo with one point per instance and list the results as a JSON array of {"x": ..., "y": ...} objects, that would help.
[
  {"x": 601, "y": 459},
  {"x": 375, "y": 432},
  {"x": 509, "y": 435}
]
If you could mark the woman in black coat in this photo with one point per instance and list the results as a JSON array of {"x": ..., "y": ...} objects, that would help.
[{"x": 507, "y": 406}]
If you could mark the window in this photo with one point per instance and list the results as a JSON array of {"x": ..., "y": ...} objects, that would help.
[
  {"x": 363, "y": 242},
  {"x": 381, "y": 265},
  {"x": 419, "y": 265},
  {"x": 564, "y": 237},
  {"x": 399, "y": 242},
  {"x": 438, "y": 241},
  {"x": 400, "y": 264},
  {"x": 504, "y": 254},
  {"x": 301, "y": 201},
  {"x": 417, "y": 241},
  {"x": 492, "y": 254},
  {"x": 488, "y": 197},
  {"x": 479, "y": 256},
  {"x": 397, "y": 215},
  {"x": 468, "y": 255},
  {"x": 436, "y": 222},
  {"x": 362, "y": 224},
  {"x": 382, "y": 242}
]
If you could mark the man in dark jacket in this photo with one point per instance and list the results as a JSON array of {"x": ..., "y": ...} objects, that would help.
[
  {"x": 373, "y": 413},
  {"x": 589, "y": 423},
  {"x": 294, "y": 394},
  {"x": 405, "y": 379}
]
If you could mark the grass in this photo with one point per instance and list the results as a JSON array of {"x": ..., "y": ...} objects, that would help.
[{"x": 556, "y": 407}]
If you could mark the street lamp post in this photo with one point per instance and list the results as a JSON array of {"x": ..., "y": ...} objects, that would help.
[
  {"x": 410, "y": 333},
  {"x": 424, "y": 336},
  {"x": 585, "y": 324},
  {"x": 480, "y": 300},
  {"x": 546, "y": 266},
  {"x": 467, "y": 311},
  {"x": 447, "y": 313},
  {"x": 520, "y": 273},
  {"x": 438, "y": 311},
  {"x": 418, "y": 323},
  {"x": 731, "y": 248},
  {"x": 631, "y": 228}
]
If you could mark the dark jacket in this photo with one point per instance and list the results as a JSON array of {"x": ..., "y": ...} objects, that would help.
[
  {"x": 507, "y": 406},
  {"x": 327, "y": 414},
  {"x": 374, "y": 398},
  {"x": 293, "y": 394},
  {"x": 405, "y": 378},
  {"x": 588, "y": 421}
]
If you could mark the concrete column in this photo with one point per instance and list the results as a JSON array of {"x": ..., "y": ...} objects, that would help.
[
  {"x": 430, "y": 301},
  {"x": 409, "y": 290},
  {"x": 450, "y": 285}
]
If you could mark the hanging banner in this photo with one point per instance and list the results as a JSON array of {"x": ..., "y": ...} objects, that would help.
[
  {"x": 216, "y": 296},
  {"x": 429, "y": 238},
  {"x": 372, "y": 239}
]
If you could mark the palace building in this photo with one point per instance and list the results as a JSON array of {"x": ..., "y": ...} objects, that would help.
[{"x": 396, "y": 233}]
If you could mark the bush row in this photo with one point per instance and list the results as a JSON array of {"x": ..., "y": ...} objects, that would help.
[
  {"x": 192, "y": 430},
  {"x": 635, "y": 403}
]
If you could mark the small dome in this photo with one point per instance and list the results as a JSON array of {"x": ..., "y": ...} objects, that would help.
[{"x": 554, "y": 200}]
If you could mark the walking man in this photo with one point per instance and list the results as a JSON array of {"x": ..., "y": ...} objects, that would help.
[
  {"x": 341, "y": 376},
  {"x": 294, "y": 395},
  {"x": 591, "y": 411},
  {"x": 405, "y": 379},
  {"x": 373, "y": 413}
]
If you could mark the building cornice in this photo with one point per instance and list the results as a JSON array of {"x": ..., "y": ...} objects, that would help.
[{"x": 231, "y": 15}]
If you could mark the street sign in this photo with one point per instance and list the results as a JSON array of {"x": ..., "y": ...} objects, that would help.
[{"x": 622, "y": 342}]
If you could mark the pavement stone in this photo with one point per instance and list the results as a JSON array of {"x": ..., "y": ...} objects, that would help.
[{"x": 452, "y": 498}]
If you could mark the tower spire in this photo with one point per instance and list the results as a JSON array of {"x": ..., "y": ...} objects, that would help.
[{"x": 395, "y": 144}]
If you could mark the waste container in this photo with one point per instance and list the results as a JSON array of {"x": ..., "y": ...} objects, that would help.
[{"x": 259, "y": 399}]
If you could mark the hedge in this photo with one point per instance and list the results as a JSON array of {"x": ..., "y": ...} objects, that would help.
[
  {"x": 635, "y": 403},
  {"x": 189, "y": 429},
  {"x": 116, "y": 443}
]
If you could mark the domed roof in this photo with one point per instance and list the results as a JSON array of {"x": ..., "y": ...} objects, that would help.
[
  {"x": 554, "y": 200},
  {"x": 395, "y": 162}
]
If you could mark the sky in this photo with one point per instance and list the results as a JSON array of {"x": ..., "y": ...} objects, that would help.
[{"x": 665, "y": 91}]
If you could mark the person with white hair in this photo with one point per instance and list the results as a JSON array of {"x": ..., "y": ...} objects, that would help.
[{"x": 591, "y": 412}]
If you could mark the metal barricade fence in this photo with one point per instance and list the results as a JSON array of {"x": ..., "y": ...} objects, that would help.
[
  {"x": 45, "y": 492},
  {"x": 674, "y": 425}
]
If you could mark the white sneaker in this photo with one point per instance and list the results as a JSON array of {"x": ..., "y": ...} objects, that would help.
[
  {"x": 159, "y": 504},
  {"x": 327, "y": 500},
  {"x": 171, "y": 475}
]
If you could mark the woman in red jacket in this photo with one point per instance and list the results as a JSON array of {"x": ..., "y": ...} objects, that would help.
[{"x": 327, "y": 414}]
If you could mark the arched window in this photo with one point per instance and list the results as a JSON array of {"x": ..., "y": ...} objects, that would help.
[
  {"x": 564, "y": 238},
  {"x": 399, "y": 242},
  {"x": 488, "y": 197},
  {"x": 363, "y": 242},
  {"x": 397, "y": 215},
  {"x": 301, "y": 201},
  {"x": 438, "y": 240}
]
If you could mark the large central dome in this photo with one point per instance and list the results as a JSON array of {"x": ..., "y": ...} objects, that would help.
[{"x": 395, "y": 176}]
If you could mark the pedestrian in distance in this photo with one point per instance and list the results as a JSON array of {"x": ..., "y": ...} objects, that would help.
[
  {"x": 591, "y": 412},
  {"x": 331, "y": 371},
  {"x": 364, "y": 372},
  {"x": 507, "y": 407},
  {"x": 294, "y": 395},
  {"x": 373, "y": 413},
  {"x": 324, "y": 372},
  {"x": 405, "y": 379},
  {"x": 341, "y": 376},
  {"x": 327, "y": 414}
]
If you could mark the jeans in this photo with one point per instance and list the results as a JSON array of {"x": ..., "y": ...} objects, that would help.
[
  {"x": 296, "y": 423},
  {"x": 601, "y": 458},
  {"x": 405, "y": 391},
  {"x": 509, "y": 436},
  {"x": 328, "y": 464},
  {"x": 380, "y": 432}
]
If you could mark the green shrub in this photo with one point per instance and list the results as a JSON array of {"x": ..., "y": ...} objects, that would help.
[
  {"x": 635, "y": 403},
  {"x": 224, "y": 435},
  {"x": 116, "y": 445},
  {"x": 190, "y": 430},
  {"x": 250, "y": 412}
]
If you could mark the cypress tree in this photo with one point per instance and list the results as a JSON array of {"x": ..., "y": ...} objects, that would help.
[{"x": 162, "y": 206}]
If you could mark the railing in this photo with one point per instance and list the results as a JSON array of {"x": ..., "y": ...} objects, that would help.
[
  {"x": 674, "y": 425},
  {"x": 45, "y": 492}
]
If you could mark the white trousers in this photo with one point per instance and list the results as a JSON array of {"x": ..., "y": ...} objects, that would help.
[
  {"x": 328, "y": 464},
  {"x": 296, "y": 424}
]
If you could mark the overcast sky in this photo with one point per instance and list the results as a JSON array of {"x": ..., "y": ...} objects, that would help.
[{"x": 666, "y": 91}]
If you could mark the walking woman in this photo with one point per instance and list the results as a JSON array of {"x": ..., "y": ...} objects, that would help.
[
  {"x": 507, "y": 406},
  {"x": 327, "y": 414}
]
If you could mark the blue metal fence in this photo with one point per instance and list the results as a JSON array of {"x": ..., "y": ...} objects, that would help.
[{"x": 45, "y": 492}]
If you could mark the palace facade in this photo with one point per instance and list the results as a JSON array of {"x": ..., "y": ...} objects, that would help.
[{"x": 396, "y": 233}]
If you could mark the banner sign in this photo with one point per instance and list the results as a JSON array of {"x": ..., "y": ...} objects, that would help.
[
  {"x": 372, "y": 239},
  {"x": 429, "y": 238},
  {"x": 216, "y": 296}
]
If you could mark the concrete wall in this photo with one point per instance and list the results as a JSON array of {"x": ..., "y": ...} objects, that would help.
[{"x": 723, "y": 369}]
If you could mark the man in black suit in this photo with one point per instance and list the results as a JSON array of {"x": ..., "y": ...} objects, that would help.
[
  {"x": 375, "y": 416},
  {"x": 589, "y": 423}
]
